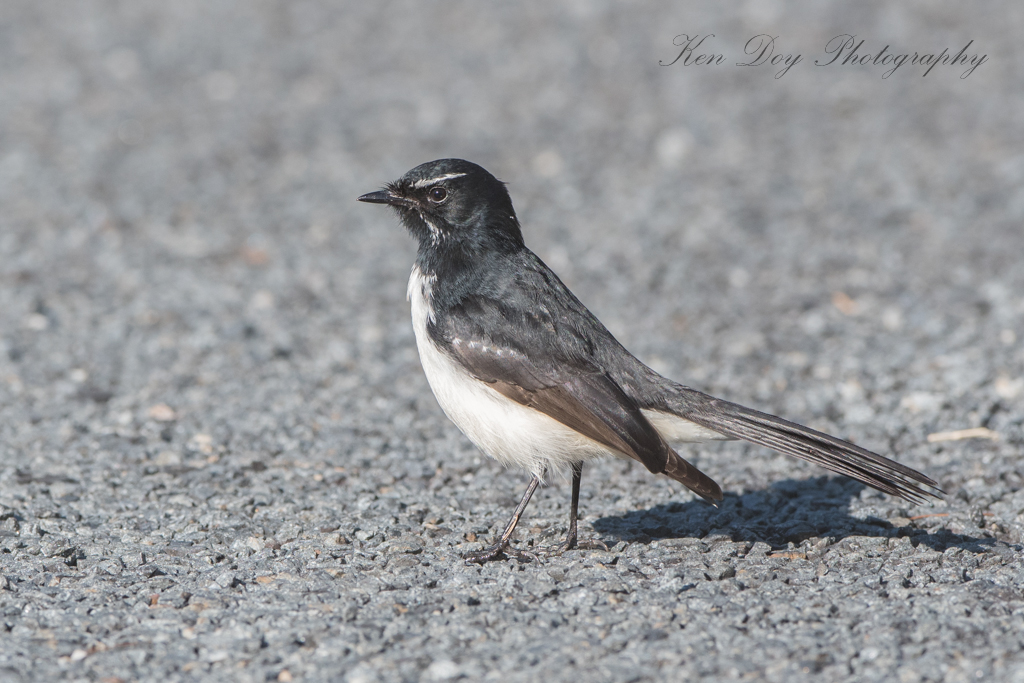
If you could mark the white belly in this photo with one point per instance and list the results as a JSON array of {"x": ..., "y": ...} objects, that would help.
[{"x": 505, "y": 430}]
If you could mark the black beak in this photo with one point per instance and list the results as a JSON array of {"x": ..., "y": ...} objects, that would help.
[{"x": 380, "y": 198}]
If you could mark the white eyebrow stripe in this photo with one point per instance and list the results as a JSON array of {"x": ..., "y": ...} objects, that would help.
[{"x": 430, "y": 181}]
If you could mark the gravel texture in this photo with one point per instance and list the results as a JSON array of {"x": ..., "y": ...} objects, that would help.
[{"x": 219, "y": 458}]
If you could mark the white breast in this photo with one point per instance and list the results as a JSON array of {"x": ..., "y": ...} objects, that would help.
[{"x": 505, "y": 430}]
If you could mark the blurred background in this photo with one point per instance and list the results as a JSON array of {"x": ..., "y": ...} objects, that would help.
[{"x": 197, "y": 320}]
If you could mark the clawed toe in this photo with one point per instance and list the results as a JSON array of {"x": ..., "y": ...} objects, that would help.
[
  {"x": 502, "y": 547},
  {"x": 496, "y": 551},
  {"x": 486, "y": 555},
  {"x": 572, "y": 544},
  {"x": 523, "y": 555},
  {"x": 552, "y": 550},
  {"x": 592, "y": 544}
]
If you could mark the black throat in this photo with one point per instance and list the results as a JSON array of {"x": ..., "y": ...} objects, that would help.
[{"x": 465, "y": 260}]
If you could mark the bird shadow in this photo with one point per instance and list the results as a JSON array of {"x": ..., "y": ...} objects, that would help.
[{"x": 788, "y": 511}]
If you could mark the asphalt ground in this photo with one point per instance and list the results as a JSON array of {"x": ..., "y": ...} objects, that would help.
[{"x": 220, "y": 460}]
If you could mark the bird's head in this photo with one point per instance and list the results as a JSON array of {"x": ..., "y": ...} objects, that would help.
[{"x": 453, "y": 205}]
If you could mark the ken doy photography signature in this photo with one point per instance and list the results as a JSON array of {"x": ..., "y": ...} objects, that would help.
[{"x": 842, "y": 50}]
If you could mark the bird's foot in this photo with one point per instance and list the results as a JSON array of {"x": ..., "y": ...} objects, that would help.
[
  {"x": 592, "y": 544},
  {"x": 572, "y": 543},
  {"x": 495, "y": 552}
]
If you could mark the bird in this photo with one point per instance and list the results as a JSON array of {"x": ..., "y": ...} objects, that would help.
[{"x": 536, "y": 381}]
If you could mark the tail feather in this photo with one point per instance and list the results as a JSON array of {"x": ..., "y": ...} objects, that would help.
[{"x": 802, "y": 442}]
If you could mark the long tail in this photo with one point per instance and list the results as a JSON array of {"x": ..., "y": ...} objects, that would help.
[{"x": 840, "y": 456}]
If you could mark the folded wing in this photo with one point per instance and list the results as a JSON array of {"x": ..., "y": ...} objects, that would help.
[{"x": 529, "y": 357}]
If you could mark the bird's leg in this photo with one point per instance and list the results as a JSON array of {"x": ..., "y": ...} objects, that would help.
[
  {"x": 494, "y": 551},
  {"x": 571, "y": 540}
]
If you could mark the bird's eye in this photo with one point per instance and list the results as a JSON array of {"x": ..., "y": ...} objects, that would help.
[{"x": 437, "y": 194}]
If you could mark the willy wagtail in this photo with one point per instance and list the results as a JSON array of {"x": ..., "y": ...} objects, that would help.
[{"x": 535, "y": 380}]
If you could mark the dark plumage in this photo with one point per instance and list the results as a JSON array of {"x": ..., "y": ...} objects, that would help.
[{"x": 504, "y": 342}]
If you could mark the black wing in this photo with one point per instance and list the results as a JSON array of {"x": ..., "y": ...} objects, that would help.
[{"x": 535, "y": 343}]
